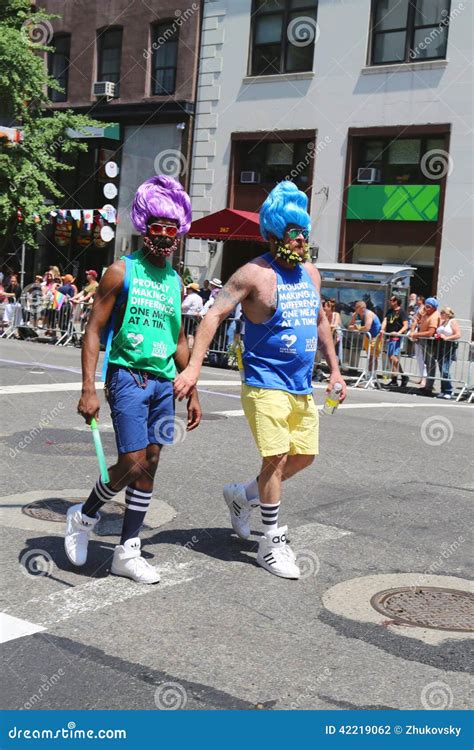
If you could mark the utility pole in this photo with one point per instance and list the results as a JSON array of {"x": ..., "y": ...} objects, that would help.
[{"x": 22, "y": 265}]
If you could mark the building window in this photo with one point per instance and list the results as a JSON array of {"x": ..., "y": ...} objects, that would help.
[
  {"x": 109, "y": 44},
  {"x": 165, "y": 58},
  {"x": 398, "y": 161},
  {"x": 269, "y": 162},
  {"x": 283, "y": 36},
  {"x": 58, "y": 66},
  {"x": 409, "y": 30}
]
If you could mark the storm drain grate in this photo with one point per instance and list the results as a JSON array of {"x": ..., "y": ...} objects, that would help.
[
  {"x": 427, "y": 607},
  {"x": 55, "y": 509}
]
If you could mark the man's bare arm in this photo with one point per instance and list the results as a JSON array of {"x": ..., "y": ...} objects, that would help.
[
  {"x": 104, "y": 301},
  {"x": 236, "y": 290}
]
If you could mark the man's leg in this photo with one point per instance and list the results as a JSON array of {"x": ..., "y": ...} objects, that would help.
[{"x": 138, "y": 494}]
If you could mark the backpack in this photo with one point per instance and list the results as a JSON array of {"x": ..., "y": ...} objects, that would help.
[{"x": 108, "y": 332}]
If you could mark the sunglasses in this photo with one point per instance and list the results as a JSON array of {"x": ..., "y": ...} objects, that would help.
[
  {"x": 293, "y": 234},
  {"x": 156, "y": 229}
]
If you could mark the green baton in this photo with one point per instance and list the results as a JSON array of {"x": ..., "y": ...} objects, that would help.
[{"x": 99, "y": 451}]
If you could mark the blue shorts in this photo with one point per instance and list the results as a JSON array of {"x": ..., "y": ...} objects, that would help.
[
  {"x": 141, "y": 416},
  {"x": 393, "y": 349}
]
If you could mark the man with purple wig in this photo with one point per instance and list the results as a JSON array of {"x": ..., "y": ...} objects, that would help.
[{"x": 142, "y": 295}]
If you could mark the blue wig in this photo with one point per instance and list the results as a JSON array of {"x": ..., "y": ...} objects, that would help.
[{"x": 284, "y": 205}]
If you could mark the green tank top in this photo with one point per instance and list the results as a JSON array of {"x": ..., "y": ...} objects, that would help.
[{"x": 148, "y": 337}]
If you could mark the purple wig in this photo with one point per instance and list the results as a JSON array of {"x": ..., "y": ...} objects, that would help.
[{"x": 162, "y": 197}]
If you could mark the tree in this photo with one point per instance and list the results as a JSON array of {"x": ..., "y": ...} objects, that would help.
[{"x": 27, "y": 168}]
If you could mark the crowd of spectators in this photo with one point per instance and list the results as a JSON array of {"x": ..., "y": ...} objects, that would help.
[
  {"x": 39, "y": 303},
  {"x": 430, "y": 334}
]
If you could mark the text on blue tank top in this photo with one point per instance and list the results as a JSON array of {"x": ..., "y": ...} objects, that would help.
[{"x": 279, "y": 354}]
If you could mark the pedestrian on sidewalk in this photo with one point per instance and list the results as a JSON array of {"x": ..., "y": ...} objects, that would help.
[
  {"x": 428, "y": 323},
  {"x": 142, "y": 295},
  {"x": 395, "y": 325},
  {"x": 447, "y": 335},
  {"x": 280, "y": 296}
]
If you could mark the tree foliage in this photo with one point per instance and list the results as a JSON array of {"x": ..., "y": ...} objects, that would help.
[{"x": 27, "y": 169}]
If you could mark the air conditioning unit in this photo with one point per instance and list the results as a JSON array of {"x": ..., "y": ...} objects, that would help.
[
  {"x": 249, "y": 178},
  {"x": 368, "y": 175},
  {"x": 104, "y": 88}
]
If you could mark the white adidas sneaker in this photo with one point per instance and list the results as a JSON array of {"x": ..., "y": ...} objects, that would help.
[
  {"x": 240, "y": 508},
  {"x": 78, "y": 530},
  {"x": 275, "y": 554},
  {"x": 128, "y": 562}
]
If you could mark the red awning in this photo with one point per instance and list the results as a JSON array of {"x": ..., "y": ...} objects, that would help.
[{"x": 228, "y": 224}]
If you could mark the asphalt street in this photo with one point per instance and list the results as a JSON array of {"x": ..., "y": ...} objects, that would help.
[{"x": 387, "y": 502}]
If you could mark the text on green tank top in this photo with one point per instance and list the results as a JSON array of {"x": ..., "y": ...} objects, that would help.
[{"x": 148, "y": 337}]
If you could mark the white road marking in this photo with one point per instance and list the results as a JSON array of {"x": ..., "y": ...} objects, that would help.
[
  {"x": 389, "y": 404},
  {"x": 12, "y": 628},
  {"x": 344, "y": 407},
  {"x": 9, "y": 390},
  {"x": 315, "y": 533},
  {"x": 98, "y": 594}
]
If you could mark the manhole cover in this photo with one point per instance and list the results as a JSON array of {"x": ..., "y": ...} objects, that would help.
[
  {"x": 427, "y": 607},
  {"x": 55, "y": 509}
]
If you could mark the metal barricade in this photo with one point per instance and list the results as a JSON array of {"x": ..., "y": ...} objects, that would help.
[
  {"x": 436, "y": 360},
  {"x": 354, "y": 350},
  {"x": 12, "y": 318},
  {"x": 220, "y": 351}
]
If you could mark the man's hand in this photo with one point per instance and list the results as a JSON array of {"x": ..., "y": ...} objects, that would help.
[
  {"x": 89, "y": 405},
  {"x": 185, "y": 382},
  {"x": 194, "y": 412},
  {"x": 336, "y": 377}
]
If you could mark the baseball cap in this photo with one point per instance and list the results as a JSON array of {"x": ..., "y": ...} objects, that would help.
[
  {"x": 92, "y": 273},
  {"x": 433, "y": 302}
]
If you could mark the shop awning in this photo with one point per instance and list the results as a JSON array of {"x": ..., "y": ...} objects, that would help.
[{"x": 228, "y": 224}]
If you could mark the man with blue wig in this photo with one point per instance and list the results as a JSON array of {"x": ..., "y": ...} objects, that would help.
[
  {"x": 280, "y": 296},
  {"x": 139, "y": 299}
]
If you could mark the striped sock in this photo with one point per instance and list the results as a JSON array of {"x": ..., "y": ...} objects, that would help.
[
  {"x": 101, "y": 494},
  {"x": 270, "y": 515},
  {"x": 137, "y": 502}
]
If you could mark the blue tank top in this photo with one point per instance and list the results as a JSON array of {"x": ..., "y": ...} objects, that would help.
[
  {"x": 374, "y": 329},
  {"x": 279, "y": 354}
]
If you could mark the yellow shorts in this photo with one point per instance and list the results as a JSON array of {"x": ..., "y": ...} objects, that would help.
[
  {"x": 281, "y": 422},
  {"x": 376, "y": 345}
]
